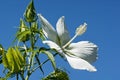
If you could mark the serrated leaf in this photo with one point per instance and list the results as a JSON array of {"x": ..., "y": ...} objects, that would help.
[{"x": 51, "y": 57}]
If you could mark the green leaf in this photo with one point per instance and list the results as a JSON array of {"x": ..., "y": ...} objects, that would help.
[{"x": 51, "y": 57}]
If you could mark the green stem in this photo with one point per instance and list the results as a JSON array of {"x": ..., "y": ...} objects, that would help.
[
  {"x": 42, "y": 63},
  {"x": 38, "y": 61},
  {"x": 22, "y": 76},
  {"x": 17, "y": 77},
  {"x": 32, "y": 47},
  {"x": 27, "y": 77}
]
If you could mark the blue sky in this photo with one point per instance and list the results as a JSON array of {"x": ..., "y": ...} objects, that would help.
[{"x": 102, "y": 17}]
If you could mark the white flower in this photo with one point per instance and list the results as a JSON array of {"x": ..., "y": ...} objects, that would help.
[{"x": 79, "y": 55}]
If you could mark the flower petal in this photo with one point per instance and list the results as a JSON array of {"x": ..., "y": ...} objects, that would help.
[
  {"x": 78, "y": 63},
  {"x": 84, "y": 49},
  {"x": 62, "y": 31},
  {"x": 53, "y": 45},
  {"x": 48, "y": 30}
]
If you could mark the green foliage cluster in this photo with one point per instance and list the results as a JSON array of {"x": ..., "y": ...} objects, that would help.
[{"x": 22, "y": 58}]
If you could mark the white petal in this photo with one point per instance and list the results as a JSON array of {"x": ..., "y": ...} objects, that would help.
[
  {"x": 78, "y": 63},
  {"x": 62, "y": 31},
  {"x": 48, "y": 30},
  {"x": 53, "y": 45},
  {"x": 84, "y": 49}
]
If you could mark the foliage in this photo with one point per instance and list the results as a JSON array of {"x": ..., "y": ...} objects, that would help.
[{"x": 22, "y": 59}]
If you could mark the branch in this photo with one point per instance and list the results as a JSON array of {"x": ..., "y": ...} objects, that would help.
[{"x": 42, "y": 63}]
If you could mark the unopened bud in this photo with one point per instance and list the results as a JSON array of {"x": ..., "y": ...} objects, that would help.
[
  {"x": 22, "y": 29},
  {"x": 13, "y": 60},
  {"x": 30, "y": 13}
]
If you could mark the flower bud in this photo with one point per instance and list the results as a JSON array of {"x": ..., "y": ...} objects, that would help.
[
  {"x": 13, "y": 60},
  {"x": 30, "y": 13},
  {"x": 23, "y": 28}
]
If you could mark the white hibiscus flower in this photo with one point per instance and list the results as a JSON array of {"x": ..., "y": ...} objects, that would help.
[{"x": 79, "y": 55}]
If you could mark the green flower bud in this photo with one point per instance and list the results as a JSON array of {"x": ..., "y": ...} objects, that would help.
[
  {"x": 23, "y": 32},
  {"x": 57, "y": 75},
  {"x": 30, "y": 13},
  {"x": 13, "y": 60}
]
